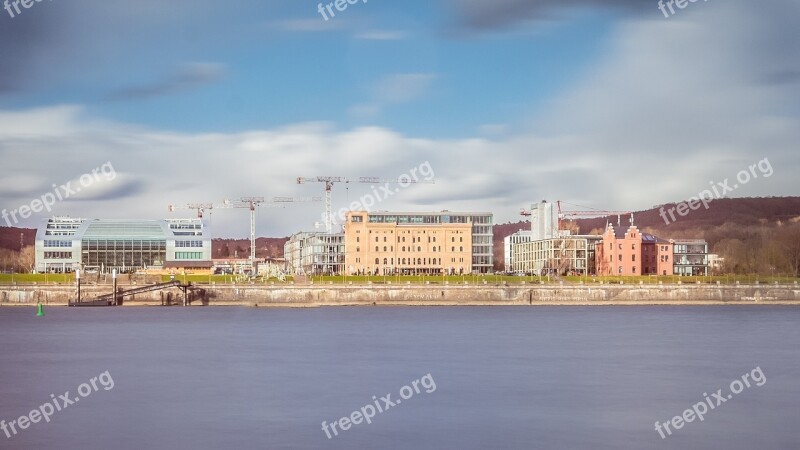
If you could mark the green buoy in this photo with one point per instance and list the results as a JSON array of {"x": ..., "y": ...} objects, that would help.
[{"x": 40, "y": 311}]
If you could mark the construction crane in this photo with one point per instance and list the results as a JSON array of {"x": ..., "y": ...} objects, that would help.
[
  {"x": 200, "y": 207},
  {"x": 328, "y": 187},
  {"x": 250, "y": 203},
  {"x": 584, "y": 213},
  {"x": 330, "y": 180}
]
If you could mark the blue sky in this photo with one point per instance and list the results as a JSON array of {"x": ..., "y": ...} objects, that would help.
[
  {"x": 270, "y": 67},
  {"x": 601, "y": 103}
]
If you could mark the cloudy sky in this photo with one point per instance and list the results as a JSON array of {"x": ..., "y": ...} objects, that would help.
[{"x": 607, "y": 104}]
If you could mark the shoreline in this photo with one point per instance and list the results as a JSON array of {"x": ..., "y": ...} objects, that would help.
[
  {"x": 410, "y": 304},
  {"x": 313, "y": 296}
]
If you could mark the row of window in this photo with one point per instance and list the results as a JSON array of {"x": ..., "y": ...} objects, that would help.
[
  {"x": 57, "y": 255},
  {"x": 188, "y": 255},
  {"x": 188, "y": 244},
  {"x": 413, "y": 261},
  {"x": 414, "y": 239},
  {"x": 411, "y": 249},
  {"x": 377, "y": 218},
  {"x": 48, "y": 243}
]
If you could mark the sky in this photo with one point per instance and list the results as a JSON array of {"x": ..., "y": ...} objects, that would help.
[{"x": 613, "y": 105}]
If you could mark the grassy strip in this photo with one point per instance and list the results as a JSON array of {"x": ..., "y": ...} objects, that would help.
[{"x": 41, "y": 278}]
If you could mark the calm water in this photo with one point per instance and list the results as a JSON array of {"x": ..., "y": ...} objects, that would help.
[{"x": 550, "y": 378}]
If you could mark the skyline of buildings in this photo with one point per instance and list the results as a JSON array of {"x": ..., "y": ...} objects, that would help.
[{"x": 376, "y": 242}]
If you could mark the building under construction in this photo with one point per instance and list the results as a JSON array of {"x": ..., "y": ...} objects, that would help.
[
  {"x": 315, "y": 253},
  {"x": 549, "y": 250}
]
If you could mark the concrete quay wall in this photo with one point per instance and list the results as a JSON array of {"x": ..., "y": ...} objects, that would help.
[{"x": 335, "y": 295}]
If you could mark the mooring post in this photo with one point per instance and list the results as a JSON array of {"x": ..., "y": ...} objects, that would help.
[{"x": 78, "y": 281}]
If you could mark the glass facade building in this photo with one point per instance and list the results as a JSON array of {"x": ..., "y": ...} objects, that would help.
[
  {"x": 64, "y": 244},
  {"x": 315, "y": 253}
]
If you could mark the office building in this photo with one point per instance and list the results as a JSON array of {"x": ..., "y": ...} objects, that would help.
[{"x": 64, "y": 244}]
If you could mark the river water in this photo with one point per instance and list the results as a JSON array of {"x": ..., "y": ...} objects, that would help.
[{"x": 489, "y": 377}]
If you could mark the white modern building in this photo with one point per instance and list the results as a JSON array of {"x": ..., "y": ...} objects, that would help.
[
  {"x": 315, "y": 253},
  {"x": 508, "y": 248},
  {"x": 64, "y": 244},
  {"x": 544, "y": 221}
]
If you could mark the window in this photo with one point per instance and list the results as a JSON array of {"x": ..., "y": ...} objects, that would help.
[
  {"x": 404, "y": 248},
  {"x": 376, "y": 238},
  {"x": 633, "y": 246},
  {"x": 620, "y": 246},
  {"x": 358, "y": 239},
  {"x": 620, "y": 257},
  {"x": 357, "y": 219},
  {"x": 57, "y": 244},
  {"x": 385, "y": 261},
  {"x": 188, "y": 255},
  {"x": 634, "y": 269},
  {"x": 633, "y": 258},
  {"x": 376, "y": 249},
  {"x": 461, "y": 239},
  {"x": 188, "y": 244},
  {"x": 358, "y": 249},
  {"x": 384, "y": 248},
  {"x": 384, "y": 239},
  {"x": 461, "y": 249},
  {"x": 377, "y": 261},
  {"x": 57, "y": 255}
]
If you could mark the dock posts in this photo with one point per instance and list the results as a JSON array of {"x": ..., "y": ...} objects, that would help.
[
  {"x": 78, "y": 282},
  {"x": 114, "y": 287}
]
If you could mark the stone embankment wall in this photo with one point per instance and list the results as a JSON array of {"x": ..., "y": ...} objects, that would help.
[{"x": 332, "y": 295}]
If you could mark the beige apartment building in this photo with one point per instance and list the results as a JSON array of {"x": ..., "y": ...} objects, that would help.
[{"x": 396, "y": 243}]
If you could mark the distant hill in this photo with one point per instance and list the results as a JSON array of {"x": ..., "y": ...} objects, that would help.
[
  {"x": 9, "y": 237},
  {"x": 745, "y": 220},
  {"x": 240, "y": 248}
]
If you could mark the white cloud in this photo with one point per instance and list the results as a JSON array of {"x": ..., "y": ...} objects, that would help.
[
  {"x": 381, "y": 35},
  {"x": 674, "y": 104},
  {"x": 394, "y": 89}
]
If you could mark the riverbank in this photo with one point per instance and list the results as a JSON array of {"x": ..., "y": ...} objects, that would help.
[{"x": 422, "y": 295}]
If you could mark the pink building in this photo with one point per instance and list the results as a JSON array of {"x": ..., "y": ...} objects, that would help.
[{"x": 631, "y": 252}]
